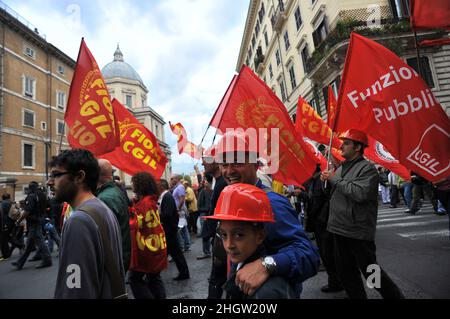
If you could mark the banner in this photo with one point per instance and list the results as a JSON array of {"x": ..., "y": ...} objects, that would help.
[
  {"x": 250, "y": 103},
  {"x": 389, "y": 101},
  {"x": 184, "y": 145},
  {"x": 430, "y": 14},
  {"x": 378, "y": 154},
  {"x": 332, "y": 103},
  {"x": 89, "y": 113},
  {"x": 139, "y": 149},
  {"x": 309, "y": 124}
]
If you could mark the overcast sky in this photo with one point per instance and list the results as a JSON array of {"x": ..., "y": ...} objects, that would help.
[{"x": 184, "y": 50}]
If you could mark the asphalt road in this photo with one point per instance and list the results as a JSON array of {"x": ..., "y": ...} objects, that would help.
[{"x": 413, "y": 250}]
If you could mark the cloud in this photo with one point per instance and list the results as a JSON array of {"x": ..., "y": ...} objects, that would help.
[{"x": 184, "y": 50}]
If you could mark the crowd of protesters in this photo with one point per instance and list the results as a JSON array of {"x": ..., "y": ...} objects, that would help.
[{"x": 256, "y": 233}]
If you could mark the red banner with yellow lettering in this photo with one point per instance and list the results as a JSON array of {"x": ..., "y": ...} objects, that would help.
[
  {"x": 250, "y": 104},
  {"x": 89, "y": 113},
  {"x": 184, "y": 145},
  {"x": 309, "y": 124},
  {"x": 139, "y": 149}
]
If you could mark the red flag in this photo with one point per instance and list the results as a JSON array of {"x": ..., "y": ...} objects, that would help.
[
  {"x": 389, "y": 101},
  {"x": 89, "y": 113},
  {"x": 139, "y": 149},
  {"x": 184, "y": 145},
  {"x": 250, "y": 103},
  {"x": 436, "y": 42},
  {"x": 426, "y": 14},
  {"x": 309, "y": 124},
  {"x": 215, "y": 120},
  {"x": 377, "y": 153},
  {"x": 332, "y": 103}
]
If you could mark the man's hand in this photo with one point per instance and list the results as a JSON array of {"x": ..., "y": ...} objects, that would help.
[
  {"x": 251, "y": 277},
  {"x": 326, "y": 175}
]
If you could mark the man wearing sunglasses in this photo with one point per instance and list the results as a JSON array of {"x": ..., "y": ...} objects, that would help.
[{"x": 90, "y": 261}]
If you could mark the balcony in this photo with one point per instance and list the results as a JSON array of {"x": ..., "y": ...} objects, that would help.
[
  {"x": 259, "y": 60},
  {"x": 278, "y": 18}
]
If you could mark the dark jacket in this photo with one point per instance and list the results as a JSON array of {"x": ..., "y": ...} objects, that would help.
[
  {"x": 204, "y": 201},
  {"x": 318, "y": 207},
  {"x": 169, "y": 214},
  {"x": 113, "y": 197},
  {"x": 354, "y": 200},
  {"x": 275, "y": 287},
  {"x": 210, "y": 225}
]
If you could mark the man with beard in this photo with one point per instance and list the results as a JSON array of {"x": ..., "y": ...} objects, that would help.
[
  {"x": 290, "y": 254},
  {"x": 90, "y": 261}
]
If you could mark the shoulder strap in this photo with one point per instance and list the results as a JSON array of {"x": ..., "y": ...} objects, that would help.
[{"x": 117, "y": 285}]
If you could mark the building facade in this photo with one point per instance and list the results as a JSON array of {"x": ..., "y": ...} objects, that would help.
[
  {"x": 298, "y": 47},
  {"x": 34, "y": 86},
  {"x": 125, "y": 84}
]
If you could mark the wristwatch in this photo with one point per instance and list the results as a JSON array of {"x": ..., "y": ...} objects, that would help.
[{"x": 269, "y": 263}]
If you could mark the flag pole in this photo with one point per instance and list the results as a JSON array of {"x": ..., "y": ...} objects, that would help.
[{"x": 62, "y": 135}]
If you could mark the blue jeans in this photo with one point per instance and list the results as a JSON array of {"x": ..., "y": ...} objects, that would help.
[
  {"x": 183, "y": 237},
  {"x": 407, "y": 191},
  {"x": 35, "y": 238},
  {"x": 52, "y": 236}
]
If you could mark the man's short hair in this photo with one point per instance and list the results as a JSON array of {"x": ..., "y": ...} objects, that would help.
[
  {"x": 6, "y": 196},
  {"x": 164, "y": 184},
  {"x": 76, "y": 160}
]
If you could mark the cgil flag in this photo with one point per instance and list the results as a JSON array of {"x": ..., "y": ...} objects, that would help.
[
  {"x": 184, "y": 145},
  {"x": 309, "y": 124},
  {"x": 392, "y": 103},
  {"x": 89, "y": 113},
  {"x": 250, "y": 104},
  {"x": 139, "y": 149}
]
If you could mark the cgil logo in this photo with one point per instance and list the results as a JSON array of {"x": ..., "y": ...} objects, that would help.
[{"x": 422, "y": 155}]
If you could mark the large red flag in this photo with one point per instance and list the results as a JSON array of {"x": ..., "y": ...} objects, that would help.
[
  {"x": 387, "y": 99},
  {"x": 332, "y": 103},
  {"x": 139, "y": 149},
  {"x": 89, "y": 113},
  {"x": 215, "y": 120},
  {"x": 184, "y": 145},
  {"x": 309, "y": 124},
  {"x": 377, "y": 153},
  {"x": 430, "y": 14},
  {"x": 250, "y": 103}
]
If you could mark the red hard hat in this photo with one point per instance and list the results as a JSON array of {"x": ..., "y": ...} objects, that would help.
[
  {"x": 237, "y": 141},
  {"x": 355, "y": 135},
  {"x": 243, "y": 202}
]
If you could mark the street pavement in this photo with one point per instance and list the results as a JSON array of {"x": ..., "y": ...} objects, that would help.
[{"x": 413, "y": 250}]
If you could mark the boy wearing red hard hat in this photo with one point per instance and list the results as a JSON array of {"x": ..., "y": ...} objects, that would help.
[{"x": 242, "y": 210}]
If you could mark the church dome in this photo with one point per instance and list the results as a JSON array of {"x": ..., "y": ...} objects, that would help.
[{"x": 120, "y": 69}]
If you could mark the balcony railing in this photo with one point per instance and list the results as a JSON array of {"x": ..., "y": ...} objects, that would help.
[
  {"x": 345, "y": 27},
  {"x": 278, "y": 18}
]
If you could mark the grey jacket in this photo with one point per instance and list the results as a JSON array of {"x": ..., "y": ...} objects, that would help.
[{"x": 354, "y": 200}]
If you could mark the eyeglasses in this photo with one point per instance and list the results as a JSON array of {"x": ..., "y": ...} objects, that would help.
[{"x": 57, "y": 174}]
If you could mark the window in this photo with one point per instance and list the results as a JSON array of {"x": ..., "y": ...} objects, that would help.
[
  {"x": 427, "y": 74},
  {"x": 29, "y": 86},
  {"x": 292, "y": 76},
  {"x": 157, "y": 130},
  {"x": 277, "y": 56},
  {"x": 28, "y": 118},
  {"x": 283, "y": 89},
  {"x": 261, "y": 12},
  {"x": 29, "y": 52},
  {"x": 315, "y": 106},
  {"x": 399, "y": 8},
  {"x": 298, "y": 18},
  {"x": 286, "y": 40},
  {"x": 61, "y": 100},
  {"x": 44, "y": 126},
  {"x": 294, "y": 117},
  {"x": 60, "y": 127},
  {"x": 270, "y": 71},
  {"x": 266, "y": 39},
  {"x": 305, "y": 57},
  {"x": 257, "y": 28},
  {"x": 320, "y": 33},
  {"x": 27, "y": 155},
  {"x": 143, "y": 102},
  {"x": 128, "y": 100},
  {"x": 60, "y": 69},
  {"x": 253, "y": 41}
]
